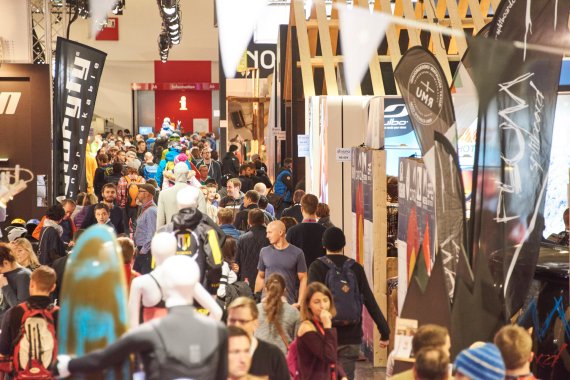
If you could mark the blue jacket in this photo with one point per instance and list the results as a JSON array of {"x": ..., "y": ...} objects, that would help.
[
  {"x": 170, "y": 156},
  {"x": 230, "y": 230},
  {"x": 280, "y": 188}
]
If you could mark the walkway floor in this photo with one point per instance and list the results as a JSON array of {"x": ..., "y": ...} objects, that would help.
[{"x": 365, "y": 371}]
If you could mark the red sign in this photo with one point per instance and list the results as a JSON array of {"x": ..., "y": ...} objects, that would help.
[
  {"x": 110, "y": 32},
  {"x": 175, "y": 86}
]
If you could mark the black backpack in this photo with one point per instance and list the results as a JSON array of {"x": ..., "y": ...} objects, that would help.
[
  {"x": 343, "y": 285},
  {"x": 235, "y": 290}
]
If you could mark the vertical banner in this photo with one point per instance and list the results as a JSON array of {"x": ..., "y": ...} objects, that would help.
[
  {"x": 78, "y": 72},
  {"x": 416, "y": 221},
  {"x": 369, "y": 216},
  {"x": 426, "y": 93},
  {"x": 517, "y": 106}
]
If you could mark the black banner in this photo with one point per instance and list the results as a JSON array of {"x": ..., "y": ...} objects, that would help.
[
  {"x": 517, "y": 94},
  {"x": 428, "y": 100},
  {"x": 425, "y": 90},
  {"x": 78, "y": 71}
]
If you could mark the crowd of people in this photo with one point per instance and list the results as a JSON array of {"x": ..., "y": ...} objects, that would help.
[{"x": 291, "y": 297}]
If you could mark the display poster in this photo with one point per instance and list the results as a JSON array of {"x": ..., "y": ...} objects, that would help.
[
  {"x": 362, "y": 210},
  {"x": 517, "y": 91},
  {"x": 416, "y": 221},
  {"x": 78, "y": 70},
  {"x": 399, "y": 136}
]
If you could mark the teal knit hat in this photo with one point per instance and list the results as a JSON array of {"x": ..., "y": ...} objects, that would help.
[{"x": 481, "y": 363}]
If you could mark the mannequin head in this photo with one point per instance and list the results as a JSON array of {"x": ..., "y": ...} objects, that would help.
[
  {"x": 188, "y": 197},
  {"x": 163, "y": 246},
  {"x": 178, "y": 277}
]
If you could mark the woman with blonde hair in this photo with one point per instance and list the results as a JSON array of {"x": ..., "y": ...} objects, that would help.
[
  {"x": 317, "y": 339},
  {"x": 278, "y": 321},
  {"x": 24, "y": 254}
]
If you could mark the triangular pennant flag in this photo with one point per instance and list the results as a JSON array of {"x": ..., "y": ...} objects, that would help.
[
  {"x": 360, "y": 33},
  {"x": 98, "y": 11},
  {"x": 236, "y": 22}
]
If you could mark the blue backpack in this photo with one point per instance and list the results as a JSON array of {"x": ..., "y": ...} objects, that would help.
[{"x": 344, "y": 288}]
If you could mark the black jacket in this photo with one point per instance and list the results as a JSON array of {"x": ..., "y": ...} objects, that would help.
[
  {"x": 116, "y": 218},
  {"x": 294, "y": 212},
  {"x": 352, "y": 334},
  {"x": 50, "y": 247},
  {"x": 230, "y": 164},
  {"x": 247, "y": 256}
]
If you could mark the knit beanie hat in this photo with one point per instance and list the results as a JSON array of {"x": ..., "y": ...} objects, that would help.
[
  {"x": 333, "y": 239},
  {"x": 482, "y": 363}
]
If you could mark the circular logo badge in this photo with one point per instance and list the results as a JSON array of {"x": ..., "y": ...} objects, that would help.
[{"x": 425, "y": 89}]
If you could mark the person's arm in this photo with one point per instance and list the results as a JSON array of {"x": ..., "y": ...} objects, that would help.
[
  {"x": 6, "y": 338},
  {"x": 136, "y": 340},
  {"x": 302, "y": 286},
  {"x": 372, "y": 305},
  {"x": 317, "y": 345},
  {"x": 160, "y": 214},
  {"x": 314, "y": 275},
  {"x": 223, "y": 280},
  {"x": 22, "y": 292},
  {"x": 259, "y": 281}
]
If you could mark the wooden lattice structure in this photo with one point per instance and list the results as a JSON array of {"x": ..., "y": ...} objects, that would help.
[{"x": 318, "y": 41}]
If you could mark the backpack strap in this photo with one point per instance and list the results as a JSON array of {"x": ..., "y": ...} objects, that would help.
[
  {"x": 328, "y": 262},
  {"x": 348, "y": 263}
]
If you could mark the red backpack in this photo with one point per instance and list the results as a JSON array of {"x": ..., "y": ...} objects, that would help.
[{"x": 35, "y": 350}]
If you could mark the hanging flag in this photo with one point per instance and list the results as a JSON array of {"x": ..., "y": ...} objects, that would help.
[
  {"x": 425, "y": 90},
  {"x": 360, "y": 34},
  {"x": 78, "y": 69},
  {"x": 426, "y": 93},
  {"x": 517, "y": 91},
  {"x": 236, "y": 22}
]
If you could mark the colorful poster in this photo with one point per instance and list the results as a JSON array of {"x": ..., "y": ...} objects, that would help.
[
  {"x": 78, "y": 70},
  {"x": 416, "y": 221}
]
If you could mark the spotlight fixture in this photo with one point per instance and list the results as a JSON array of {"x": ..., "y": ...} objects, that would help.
[{"x": 171, "y": 28}]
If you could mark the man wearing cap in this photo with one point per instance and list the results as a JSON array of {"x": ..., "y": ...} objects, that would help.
[
  {"x": 349, "y": 336},
  {"x": 145, "y": 227}
]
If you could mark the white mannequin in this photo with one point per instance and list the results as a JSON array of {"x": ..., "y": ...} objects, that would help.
[
  {"x": 144, "y": 288},
  {"x": 180, "y": 280}
]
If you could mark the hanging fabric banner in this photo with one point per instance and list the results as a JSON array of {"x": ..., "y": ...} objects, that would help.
[
  {"x": 517, "y": 99},
  {"x": 78, "y": 70},
  {"x": 428, "y": 100}
]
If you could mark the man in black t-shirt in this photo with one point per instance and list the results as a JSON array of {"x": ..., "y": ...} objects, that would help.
[
  {"x": 349, "y": 337},
  {"x": 308, "y": 234}
]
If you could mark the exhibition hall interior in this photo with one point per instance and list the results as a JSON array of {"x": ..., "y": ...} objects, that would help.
[{"x": 284, "y": 189}]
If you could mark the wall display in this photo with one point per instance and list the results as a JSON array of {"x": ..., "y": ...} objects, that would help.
[
  {"x": 78, "y": 70},
  {"x": 177, "y": 79},
  {"x": 368, "y": 207},
  {"x": 416, "y": 222},
  {"x": 25, "y": 129}
]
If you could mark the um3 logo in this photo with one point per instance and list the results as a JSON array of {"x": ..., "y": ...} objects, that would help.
[{"x": 9, "y": 102}]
